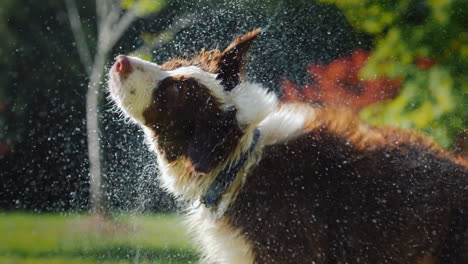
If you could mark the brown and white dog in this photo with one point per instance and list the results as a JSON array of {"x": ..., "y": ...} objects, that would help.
[{"x": 291, "y": 183}]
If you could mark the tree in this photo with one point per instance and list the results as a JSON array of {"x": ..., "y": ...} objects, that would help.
[
  {"x": 424, "y": 43},
  {"x": 113, "y": 19}
]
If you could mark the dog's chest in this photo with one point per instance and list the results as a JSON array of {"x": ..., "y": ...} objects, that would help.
[{"x": 218, "y": 240}]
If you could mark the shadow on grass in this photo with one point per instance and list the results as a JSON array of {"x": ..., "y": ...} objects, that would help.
[{"x": 122, "y": 252}]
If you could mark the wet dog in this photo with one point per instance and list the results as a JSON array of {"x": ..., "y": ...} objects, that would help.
[{"x": 291, "y": 183}]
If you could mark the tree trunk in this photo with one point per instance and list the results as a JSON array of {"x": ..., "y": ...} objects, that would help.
[
  {"x": 92, "y": 129},
  {"x": 111, "y": 25}
]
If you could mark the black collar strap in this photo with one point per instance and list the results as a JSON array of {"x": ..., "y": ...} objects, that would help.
[{"x": 227, "y": 176}]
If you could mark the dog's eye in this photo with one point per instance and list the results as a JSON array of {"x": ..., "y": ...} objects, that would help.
[{"x": 174, "y": 89}]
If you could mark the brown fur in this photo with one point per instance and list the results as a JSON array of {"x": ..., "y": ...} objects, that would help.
[
  {"x": 207, "y": 60},
  {"x": 346, "y": 124}
]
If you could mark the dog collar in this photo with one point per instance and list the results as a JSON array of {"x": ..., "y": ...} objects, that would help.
[{"x": 227, "y": 175}]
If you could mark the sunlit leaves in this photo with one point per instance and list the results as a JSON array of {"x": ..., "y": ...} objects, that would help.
[
  {"x": 143, "y": 56},
  {"x": 371, "y": 16},
  {"x": 143, "y": 7},
  {"x": 389, "y": 58},
  {"x": 440, "y": 10},
  {"x": 426, "y": 101}
]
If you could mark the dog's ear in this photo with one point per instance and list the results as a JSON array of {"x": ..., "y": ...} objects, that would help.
[{"x": 231, "y": 60}]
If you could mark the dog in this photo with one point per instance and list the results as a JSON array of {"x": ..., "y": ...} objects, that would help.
[{"x": 270, "y": 182}]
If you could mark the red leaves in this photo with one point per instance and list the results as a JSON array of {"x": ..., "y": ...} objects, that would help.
[
  {"x": 338, "y": 84},
  {"x": 424, "y": 63}
]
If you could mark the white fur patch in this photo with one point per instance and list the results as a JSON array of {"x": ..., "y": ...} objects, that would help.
[
  {"x": 253, "y": 103},
  {"x": 133, "y": 94},
  {"x": 204, "y": 78},
  {"x": 286, "y": 123},
  {"x": 218, "y": 241}
]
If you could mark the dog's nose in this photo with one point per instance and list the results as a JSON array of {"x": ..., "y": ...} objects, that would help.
[{"x": 123, "y": 65}]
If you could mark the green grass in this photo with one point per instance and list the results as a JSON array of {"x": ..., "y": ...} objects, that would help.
[{"x": 27, "y": 238}]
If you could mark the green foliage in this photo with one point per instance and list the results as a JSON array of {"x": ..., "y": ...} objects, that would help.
[
  {"x": 433, "y": 99},
  {"x": 52, "y": 238},
  {"x": 369, "y": 15},
  {"x": 144, "y": 7}
]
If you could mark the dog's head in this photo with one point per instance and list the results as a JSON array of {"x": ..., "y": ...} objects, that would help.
[{"x": 187, "y": 104}]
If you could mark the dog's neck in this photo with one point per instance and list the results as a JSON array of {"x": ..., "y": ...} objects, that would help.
[
  {"x": 228, "y": 175},
  {"x": 179, "y": 177}
]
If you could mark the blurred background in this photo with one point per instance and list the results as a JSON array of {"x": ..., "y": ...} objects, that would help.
[{"x": 77, "y": 184}]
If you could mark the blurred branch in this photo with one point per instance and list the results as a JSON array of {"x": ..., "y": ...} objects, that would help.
[
  {"x": 100, "y": 11},
  {"x": 80, "y": 40},
  {"x": 117, "y": 29},
  {"x": 162, "y": 37},
  {"x": 109, "y": 18},
  {"x": 102, "y": 8}
]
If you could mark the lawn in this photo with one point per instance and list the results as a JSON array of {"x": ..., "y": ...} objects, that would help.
[{"x": 27, "y": 238}]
